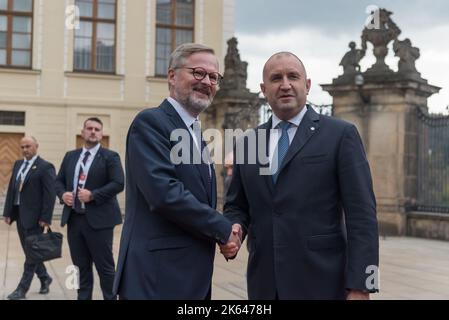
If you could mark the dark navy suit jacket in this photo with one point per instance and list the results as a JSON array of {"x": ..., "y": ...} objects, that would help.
[
  {"x": 313, "y": 233},
  {"x": 171, "y": 228},
  {"x": 37, "y": 199},
  {"x": 105, "y": 180}
]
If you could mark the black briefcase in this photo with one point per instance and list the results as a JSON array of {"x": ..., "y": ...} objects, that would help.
[{"x": 43, "y": 247}]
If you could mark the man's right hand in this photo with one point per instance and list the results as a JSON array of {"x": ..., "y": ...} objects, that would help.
[
  {"x": 237, "y": 230},
  {"x": 67, "y": 197},
  {"x": 8, "y": 220},
  {"x": 230, "y": 249}
]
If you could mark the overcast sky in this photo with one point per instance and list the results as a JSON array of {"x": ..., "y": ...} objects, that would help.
[{"x": 319, "y": 31}]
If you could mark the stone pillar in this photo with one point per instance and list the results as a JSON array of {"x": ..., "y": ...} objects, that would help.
[
  {"x": 388, "y": 127},
  {"x": 234, "y": 107},
  {"x": 382, "y": 104}
]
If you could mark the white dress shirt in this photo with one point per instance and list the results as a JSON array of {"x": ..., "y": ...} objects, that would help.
[
  {"x": 93, "y": 151},
  {"x": 31, "y": 162},
  {"x": 275, "y": 133},
  {"x": 21, "y": 176},
  {"x": 188, "y": 119}
]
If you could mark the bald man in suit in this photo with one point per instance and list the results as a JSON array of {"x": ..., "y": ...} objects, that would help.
[{"x": 30, "y": 202}]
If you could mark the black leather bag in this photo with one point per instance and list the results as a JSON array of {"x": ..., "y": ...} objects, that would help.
[{"x": 43, "y": 247}]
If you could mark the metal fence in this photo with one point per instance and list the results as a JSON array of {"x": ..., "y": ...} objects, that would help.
[
  {"x": 432, "y": 157},
  {"x": 433, "y": 162},
  {"x": 265, "y": 110}
]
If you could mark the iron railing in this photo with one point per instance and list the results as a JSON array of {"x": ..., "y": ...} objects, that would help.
[
  {"x": 433, "y": 162},
  {"x": 265, "y": 110}
]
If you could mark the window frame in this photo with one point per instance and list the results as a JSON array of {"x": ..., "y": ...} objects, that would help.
[
  {"x": 18, "y": 118},
  {"x": 10, "y": 13},
  {"x": 93, "y": 55},
  {"x": 173, "y": 27}
]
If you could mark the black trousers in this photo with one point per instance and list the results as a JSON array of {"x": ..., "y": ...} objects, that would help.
[
  {"x": 88, "y": 246},
  {"x": 29, "y": 269}
]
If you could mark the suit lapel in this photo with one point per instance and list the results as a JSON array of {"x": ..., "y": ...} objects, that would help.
[
  {"x": 308, "y": 127},
  {"x": 15, "y": 172},
  {"x": 213, "y": 201},
  {"x": 72, "y": 166},
  {"x": 267, "y": 178},
  {"x": 94, "y": 164},
  {"x": 173, "y": 115},
  {"x": 179, "y": 124},
  {"x": 19, "y": 163},
  {"x": 32, "y": 169}
]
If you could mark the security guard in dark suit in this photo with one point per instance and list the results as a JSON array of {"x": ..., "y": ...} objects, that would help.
[
  {"x": 30, "y": 202},
  {"x": 87, "y": 183}
]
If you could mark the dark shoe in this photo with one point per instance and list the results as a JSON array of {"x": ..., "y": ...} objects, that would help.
[
  {"x": 17, "y": 294},
  {"x": 45, "y": 286}
]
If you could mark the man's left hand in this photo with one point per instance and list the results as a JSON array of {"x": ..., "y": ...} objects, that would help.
[
  {"x": 357, "y": 295},
  {"x": 84, "y": 195}
]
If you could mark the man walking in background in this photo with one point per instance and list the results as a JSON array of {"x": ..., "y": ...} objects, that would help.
[{"x": 30, "y": 202}]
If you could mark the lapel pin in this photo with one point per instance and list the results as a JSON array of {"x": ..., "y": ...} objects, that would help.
[
  {"x": 34, "y": 167},
  {"x": 312, "y": 128}
]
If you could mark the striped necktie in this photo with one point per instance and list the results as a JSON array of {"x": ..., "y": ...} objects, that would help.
[{"x": 78, "y": 205}]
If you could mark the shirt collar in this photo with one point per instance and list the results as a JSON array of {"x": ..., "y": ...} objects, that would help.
[
  {"x": 31, "y": 161},
  {"x": 93, "y": 151},
  {"x": 296, "y": 120},
  {"x": 185, "y": 116}
]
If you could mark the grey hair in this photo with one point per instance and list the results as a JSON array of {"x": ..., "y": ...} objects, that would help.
[{"x": 185, "y": 50}]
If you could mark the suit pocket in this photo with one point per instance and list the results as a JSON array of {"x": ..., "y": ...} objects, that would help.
[
  {"x": 169, "y": 243},
  {"x": 326, "y": 241},
  {"x": 314, "y": 158}
]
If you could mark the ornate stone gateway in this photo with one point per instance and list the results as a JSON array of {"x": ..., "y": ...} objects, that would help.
[
  {"x": 407, "y": 148},
  {"x": 433, "y": 163}
]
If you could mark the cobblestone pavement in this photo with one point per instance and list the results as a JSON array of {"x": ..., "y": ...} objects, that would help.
[{"x": 411, "y": 268}]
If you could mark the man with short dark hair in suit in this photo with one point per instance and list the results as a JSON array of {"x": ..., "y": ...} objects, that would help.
[
  {"x": 88, "y": 183},
  {"x": 171, "y": 227},
  {"x": 312, "y": 222},
  {"x": 30, "y": 201}
]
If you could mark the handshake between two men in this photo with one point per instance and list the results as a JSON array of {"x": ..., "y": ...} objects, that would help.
[{"x": 232, "y": 247}]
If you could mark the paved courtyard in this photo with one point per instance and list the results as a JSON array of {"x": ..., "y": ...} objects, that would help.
[{"x": 411, "y": 268}]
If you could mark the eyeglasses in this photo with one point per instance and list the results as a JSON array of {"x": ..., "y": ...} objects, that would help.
[{"x": 201, "y": 73}]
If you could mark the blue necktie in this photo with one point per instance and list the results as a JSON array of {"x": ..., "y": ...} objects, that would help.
[{"x": 282, "y": 147}]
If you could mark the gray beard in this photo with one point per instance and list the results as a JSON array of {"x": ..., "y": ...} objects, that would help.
[{"x": 195, "y": 105}]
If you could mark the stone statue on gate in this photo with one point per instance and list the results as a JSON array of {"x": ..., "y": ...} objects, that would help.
[
  {"x": 407, "y": 55},
  {"x": 351, "y": 59},
  {"x": 380, "y": 37}
]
